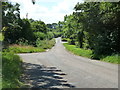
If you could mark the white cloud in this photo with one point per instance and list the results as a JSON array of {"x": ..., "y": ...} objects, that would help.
[{"x": 42, "y": 12}]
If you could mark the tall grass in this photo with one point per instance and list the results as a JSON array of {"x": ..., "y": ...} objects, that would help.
[{"x": 11, "y": 70}]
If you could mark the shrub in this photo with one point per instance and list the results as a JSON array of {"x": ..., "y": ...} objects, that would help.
[
  {"x": 77, "y": 44},
  {"x": 50, "y": 35},
  {"x": 71, "y": 41},
  {"x": 22, "y": 41},
  {"x": 64, "y": 39},
  {"x": 40, "y": 35},
  {"x": 57, "y": 34},
  {"x": 46, "y": 44}
]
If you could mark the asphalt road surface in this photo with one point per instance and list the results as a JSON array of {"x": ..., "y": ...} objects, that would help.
[{"x": 59, "y": 68}]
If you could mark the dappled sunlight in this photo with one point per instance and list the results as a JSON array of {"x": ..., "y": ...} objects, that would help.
[{"x": 40, "y": 76}]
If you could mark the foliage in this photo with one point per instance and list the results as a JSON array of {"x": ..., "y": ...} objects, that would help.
[
  {"x": 15, "y": 28},
  {"x": 38, "y": 26},
  {"x": 45, "y": 44},
  {"x": 26, "y": 31},
  {"x": 100, "y": 20},
  {"x": 11, "y": 17},
  {"x": 55, "y": 29},
  {"x": 40, "y": 35},
  {"x": 64, "y": 39},
  {"x": 50, "y": 35},
  {"x": 95, "y": 26},
  {"x": 11, "y": 70},
  {"x": 22, "y": 41}
]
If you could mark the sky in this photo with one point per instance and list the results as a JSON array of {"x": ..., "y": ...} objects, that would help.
[{"x": 49, "y": 11}]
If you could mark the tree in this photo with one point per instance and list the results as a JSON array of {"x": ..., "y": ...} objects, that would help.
[
  {"x": 100, "y": 20},
  {"x": 11, "y": 17}
]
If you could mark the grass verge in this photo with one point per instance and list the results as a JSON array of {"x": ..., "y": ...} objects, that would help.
[
  {"x": 88, "y": 53},
  {"x": 42, "y": 45},
  {"x": 112, "y": 59},
  {"x": 24, "y": 49},
  {"x": 78, "y": 51},
  {"x": 11, "y": 70}
]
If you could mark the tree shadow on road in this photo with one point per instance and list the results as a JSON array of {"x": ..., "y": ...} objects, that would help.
[{"x": 39, "y": 76}]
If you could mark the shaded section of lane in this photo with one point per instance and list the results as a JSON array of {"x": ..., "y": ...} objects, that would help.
[{"x": 40, "y": 76}]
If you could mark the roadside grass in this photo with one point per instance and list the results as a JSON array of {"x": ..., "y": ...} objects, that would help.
[
  {"x": 24, "y": 49},
  {"x": 88, "y": 53},
  {"x": 112, "y": 59},
  {"x": 78, "y": 51},
  {"x": 46, "y": 44},
  {"x": 11, "y": 70}
]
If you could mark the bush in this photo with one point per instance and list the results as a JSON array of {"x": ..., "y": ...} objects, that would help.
[
  {"x": 64, "y": 39},
  {"x": 57, "y": 34},
  {"x": 22, "y": 42},
  {"x": 40, "y": 35},
  {"x": 71, "y": 41},
  {"x": 77, "y": 44},
  {"x": 11, "y": 70},
  {"x": 50, "y": 35},
  {"x": 46, "y": 44}
]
